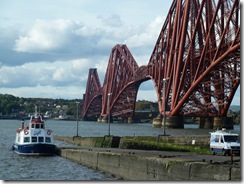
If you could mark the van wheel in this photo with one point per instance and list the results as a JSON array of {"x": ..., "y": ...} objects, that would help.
[
  {"x": 213, "y": 152},
  {"x": 224, "y": 152}
]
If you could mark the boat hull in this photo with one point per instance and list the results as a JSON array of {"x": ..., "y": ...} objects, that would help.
[{"x": 35, "y": 149}]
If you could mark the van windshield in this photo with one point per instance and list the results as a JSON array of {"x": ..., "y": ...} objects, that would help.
[{"x": 231, "y": 138}]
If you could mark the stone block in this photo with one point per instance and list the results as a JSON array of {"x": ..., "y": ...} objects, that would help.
[
  {"x": 133, "y": 167},
  {"x": 235, "y": 174},
  {"x": 204, "y": 171},
  {"x": 109, "y": 162},
  {"x": 89, "y": 158}
]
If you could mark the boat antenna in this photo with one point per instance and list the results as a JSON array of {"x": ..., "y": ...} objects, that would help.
[{"x": 35, "y": 109}]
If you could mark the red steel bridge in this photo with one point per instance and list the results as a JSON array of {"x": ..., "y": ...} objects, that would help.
[{"x": 195, "y": 65}]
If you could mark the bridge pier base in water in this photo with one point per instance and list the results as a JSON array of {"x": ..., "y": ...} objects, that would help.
[
  {"x": 105, "y": 119},
  {"x": 215, "y": 122},
  {"x": 130, "y": 120},
  {"x": 173, "y": 122},
  {"x": 205, "y": 122},
  {"x": 223, "y": 122},
  {"x": 99, "y": 119},
  {"x": 157, "y": 122}
]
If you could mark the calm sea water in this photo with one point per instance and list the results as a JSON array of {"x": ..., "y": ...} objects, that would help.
[{"x": 15, "y": 167}]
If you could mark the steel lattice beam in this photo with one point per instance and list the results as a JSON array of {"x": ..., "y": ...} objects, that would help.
[
  {"x": 93, "y": 96},
  {"x": 199, "y": 50},
  {"x": 120, "y": 72}
]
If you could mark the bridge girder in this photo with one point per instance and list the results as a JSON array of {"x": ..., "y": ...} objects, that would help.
[{"x": 198, "y": 50}]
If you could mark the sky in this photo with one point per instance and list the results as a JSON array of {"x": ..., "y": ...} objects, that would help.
[{"x": 47, "y": 47}]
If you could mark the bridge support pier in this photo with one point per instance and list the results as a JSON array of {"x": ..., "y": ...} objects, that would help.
[
  {"x": 99, "y": 119},
  {"x": 205, "y": 122},
  {"x": 223, "y": 122},
  {"x": 157, "y": 122},
  {"x": 173, "y": 122},
  {"x": 130, "y": 120},
  {"x": 105, "y": 119}
]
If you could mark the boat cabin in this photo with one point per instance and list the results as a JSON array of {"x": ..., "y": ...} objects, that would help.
[
  {"x": 34, "y": 139},
  {"x": 35, "y": 132},
  {"x": 37, "y": 122}
]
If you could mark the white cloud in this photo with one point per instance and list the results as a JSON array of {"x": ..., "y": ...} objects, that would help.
[
  {"x": 111, "y": 21},
  {"x": 59, "y": 73},
  {"x": 146, "y": 35},
  {"x": 47, "y": 35},
  {"x": 69, "y": 38},
  {"x": 63, "y": 38},
  {"x": 80, "y": 65}
]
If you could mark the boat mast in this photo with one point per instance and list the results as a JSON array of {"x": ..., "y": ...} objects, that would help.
[{"x": 35, "y": 109}]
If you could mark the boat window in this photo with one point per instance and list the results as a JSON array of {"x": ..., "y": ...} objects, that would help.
[
  {"x": 37, "y": 126},
  {"x": 40, "y": 139},
  {"x": 48, "y": 139},
  {"x": 26, "y": 139},
  {"x": 42, "y": 126},
  {"x": 32, "y": 126},
  {"x": 33, "y": 139}
]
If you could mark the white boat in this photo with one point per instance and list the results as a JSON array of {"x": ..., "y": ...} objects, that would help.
[{"x": 34, "y": 139}]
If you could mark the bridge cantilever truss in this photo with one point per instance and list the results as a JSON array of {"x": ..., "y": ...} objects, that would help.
[
  {"x": 92, "y": 100},
  {"x": 198, "y": 51},
  {"x": 120, "y": 84}
]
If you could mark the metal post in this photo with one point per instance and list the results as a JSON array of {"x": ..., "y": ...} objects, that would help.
[
  {"x": 109, "y": 94},
  {"x": 231, "y": 157},
  {"x": 77, "y": 117},
  {"x": 164, "y": 81}
]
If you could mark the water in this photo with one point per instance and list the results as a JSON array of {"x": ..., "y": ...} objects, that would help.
[{"x": 15, "y": 167}]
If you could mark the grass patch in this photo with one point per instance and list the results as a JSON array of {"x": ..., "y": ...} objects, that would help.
[{"x": 149, "y": 143}]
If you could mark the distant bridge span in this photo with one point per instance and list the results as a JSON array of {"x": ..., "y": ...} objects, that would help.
[{"x": 197, "y": 51}]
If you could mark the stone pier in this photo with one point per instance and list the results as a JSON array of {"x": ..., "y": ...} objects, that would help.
[
  {"x": 173, "y": 122},
  {"x": 130, "y": 120},
  {"x": 133, "y": 166},
  {"x": 111, "y": 154},
  {"x": 105, "y": 119},
  {"x": 205, "y": 122},
  {"x": 157, "y": 122},
  {"x": 99, "y": 119},
  {"x": 223, "y": 122}
]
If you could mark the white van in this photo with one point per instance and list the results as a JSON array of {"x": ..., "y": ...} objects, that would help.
[{"x": 223, "y": 142}]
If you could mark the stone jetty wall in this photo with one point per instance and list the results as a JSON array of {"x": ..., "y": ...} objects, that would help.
[
  {"x": 120, "y": 142},
  {"x": 135, "y": 167}
]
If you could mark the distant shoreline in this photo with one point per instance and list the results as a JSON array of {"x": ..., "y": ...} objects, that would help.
[{"x": 20, "y": 118}]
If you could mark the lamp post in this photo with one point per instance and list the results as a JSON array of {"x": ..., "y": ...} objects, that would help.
[
  {"x": 164, "y": 81},
  {"x": 109, "y": 94},
  {"x": 77, "y": 117}
]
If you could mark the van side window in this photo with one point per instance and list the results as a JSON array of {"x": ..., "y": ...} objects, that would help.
[
  {"x": 222, "y": 141},
  {"x": 217, "y": 138}
]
